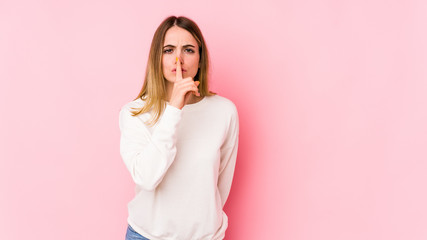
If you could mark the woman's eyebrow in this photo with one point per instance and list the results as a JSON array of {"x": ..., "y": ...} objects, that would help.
[{"x": 172, "y": 46}]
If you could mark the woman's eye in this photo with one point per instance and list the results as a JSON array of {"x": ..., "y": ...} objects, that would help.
[
  {"x": 189, "y": 50},
  {"x": 167, "y": 51}
]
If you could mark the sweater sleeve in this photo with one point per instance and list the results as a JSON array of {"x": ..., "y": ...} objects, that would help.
[
  {"x": 147, "y": 155},
  {"x": 228, "y": 158}
]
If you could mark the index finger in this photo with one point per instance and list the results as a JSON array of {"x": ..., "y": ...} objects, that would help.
[{"x": 178, "y": 69}]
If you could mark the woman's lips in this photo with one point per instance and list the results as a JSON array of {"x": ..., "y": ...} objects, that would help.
[{"x": 183, "y": 70}]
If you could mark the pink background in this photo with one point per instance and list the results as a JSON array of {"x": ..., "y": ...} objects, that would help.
[{"x": 332, "y": 97}]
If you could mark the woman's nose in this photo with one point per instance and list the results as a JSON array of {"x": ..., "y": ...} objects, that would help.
[{"x": 178, "y": 58}]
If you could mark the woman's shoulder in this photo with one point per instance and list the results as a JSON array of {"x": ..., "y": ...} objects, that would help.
[
  {"x": 127, "y": 111},
  {"x": 221, "y": 103},
  {"x": 133, "y": 106},
  {"x": 137, "y": 103}
]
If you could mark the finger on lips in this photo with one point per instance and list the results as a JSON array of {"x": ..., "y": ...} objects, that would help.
[
  {"x": 179, "y": 76},
  {"x": 178, "y": 69}
]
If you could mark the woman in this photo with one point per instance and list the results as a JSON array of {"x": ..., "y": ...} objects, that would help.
[{"x": 178, "y": 141}]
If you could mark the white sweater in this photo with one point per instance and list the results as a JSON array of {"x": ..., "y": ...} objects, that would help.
[{"x": 182, "y": 167}]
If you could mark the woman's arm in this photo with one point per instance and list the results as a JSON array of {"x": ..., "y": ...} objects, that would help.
[
  {"x": 228, "y": 158},
  {"x": 147, "y": 155}
]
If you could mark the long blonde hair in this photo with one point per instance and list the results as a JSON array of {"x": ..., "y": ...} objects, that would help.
[{"x": 153, "y": 91}]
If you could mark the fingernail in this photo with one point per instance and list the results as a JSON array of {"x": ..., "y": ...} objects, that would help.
[{"x": 176, "y": 59}]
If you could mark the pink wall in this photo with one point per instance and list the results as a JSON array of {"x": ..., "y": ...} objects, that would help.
[{"x": 332, "y": 99}]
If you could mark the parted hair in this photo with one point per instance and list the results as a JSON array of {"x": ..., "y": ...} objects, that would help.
[{"x": 153, "y": 91}]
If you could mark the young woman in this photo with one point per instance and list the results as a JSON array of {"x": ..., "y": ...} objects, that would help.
[{"x": 178, "y": 141}]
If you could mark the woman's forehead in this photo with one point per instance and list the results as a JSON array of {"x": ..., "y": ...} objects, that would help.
[{"x": 178, "y": 36}]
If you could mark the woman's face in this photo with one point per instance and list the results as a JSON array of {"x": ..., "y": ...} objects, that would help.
[{"x": 180, "y": 43}]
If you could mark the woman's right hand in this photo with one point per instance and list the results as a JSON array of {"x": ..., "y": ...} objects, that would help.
[{"x": 182, "y": 88}]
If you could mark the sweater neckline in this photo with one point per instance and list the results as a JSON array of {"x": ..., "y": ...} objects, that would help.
[
  {"x": 195, "y": 106},
  {"x": 192, "y": 106}
]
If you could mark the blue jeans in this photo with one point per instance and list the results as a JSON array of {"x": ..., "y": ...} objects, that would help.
[{"x": 131, "y": 234}]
